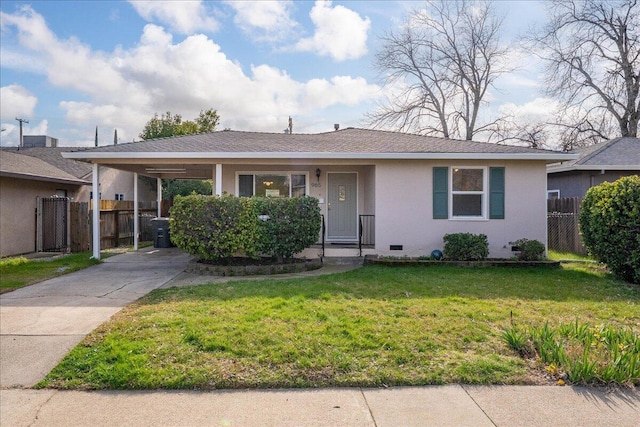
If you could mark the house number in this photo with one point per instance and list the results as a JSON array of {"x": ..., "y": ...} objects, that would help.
[{"x": 316, "y": 184}]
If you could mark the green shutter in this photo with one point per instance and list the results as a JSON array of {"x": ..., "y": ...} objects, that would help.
[
  {"x": 496, "y": 193},
  {"x": 440, "y": 193}
]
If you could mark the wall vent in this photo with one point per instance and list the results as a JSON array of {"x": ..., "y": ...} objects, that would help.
[{"x": 395, "y": 247}]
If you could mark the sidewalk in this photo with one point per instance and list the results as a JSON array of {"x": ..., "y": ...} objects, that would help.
[
  {"x": 39, "y": 324},
  {"x": 451, "y": 405}
]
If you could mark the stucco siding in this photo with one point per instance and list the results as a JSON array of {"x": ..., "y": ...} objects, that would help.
[
  {"x": 114, "y": 181},
  {"x": 404, "y": 208},
  {"x": 18, "y": 212}
]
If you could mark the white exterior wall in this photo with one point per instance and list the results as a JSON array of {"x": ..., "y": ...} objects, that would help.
[
  {"x": 404, "y": 208},
  {"x": 114, "y": 181},
  {"x": 366, "y": 182}
]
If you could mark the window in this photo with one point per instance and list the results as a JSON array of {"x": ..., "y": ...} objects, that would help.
[
  {"x": 468, "y": 193},
  {"x": 553, "y": 194},
  {"x": 272, "y": 184},
  {"x": 119, "y": 196}
]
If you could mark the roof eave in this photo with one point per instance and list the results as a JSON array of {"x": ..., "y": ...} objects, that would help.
[
  {"x": 97, "y": 156},
  {"x": 43, "y": 178},
  {"x": 557, "y": 169}
]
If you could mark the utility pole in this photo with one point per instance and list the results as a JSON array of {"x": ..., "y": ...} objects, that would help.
[{"x": 21, "y": 121}]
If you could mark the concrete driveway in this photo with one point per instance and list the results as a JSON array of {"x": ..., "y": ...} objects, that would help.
[{"x": 39, "y": 324}]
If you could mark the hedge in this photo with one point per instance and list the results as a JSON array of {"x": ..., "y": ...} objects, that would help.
[{"x": 214, "y": 227}]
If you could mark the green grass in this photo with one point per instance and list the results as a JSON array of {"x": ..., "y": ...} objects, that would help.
[
  {"x": 557, "y": 256},
  {"x": 20, "y": 271},
  {"x": 368, "y": 327}
]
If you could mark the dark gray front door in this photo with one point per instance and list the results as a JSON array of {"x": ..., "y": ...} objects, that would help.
[{"x": 342, "y": 210}]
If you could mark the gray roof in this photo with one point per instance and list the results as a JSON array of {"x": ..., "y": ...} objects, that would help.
[
  {"x": 619, "y": 153},
  {"x": 53, "y": 156},
  {"x": 15, "y": 165},
  {"x": 347, "y": 141}
]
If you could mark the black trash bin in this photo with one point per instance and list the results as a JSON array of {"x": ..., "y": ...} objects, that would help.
[{"x": 161, "y": 237}]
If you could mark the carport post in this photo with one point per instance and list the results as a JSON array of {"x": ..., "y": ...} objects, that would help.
[
  {"x": 136, "y": 221},
  {"x": 159, "y": 198},
  {"x": 96, "y": 210},
  {"x": 218, "y": 179}
]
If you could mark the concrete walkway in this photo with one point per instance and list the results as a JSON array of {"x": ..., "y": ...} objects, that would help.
[{"x": 39, "y": 324}]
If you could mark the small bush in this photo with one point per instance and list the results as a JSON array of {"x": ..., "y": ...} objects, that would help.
[
  {"x": 610, "y": 226},
  {"x": 529, "y": 250},
  {"x": 465, "y": 246}
]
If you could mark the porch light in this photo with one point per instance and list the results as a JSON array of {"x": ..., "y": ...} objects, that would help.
[{"x": 318, "y": 172}]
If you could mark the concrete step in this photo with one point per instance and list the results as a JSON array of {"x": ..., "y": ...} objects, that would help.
[{"x": 342, "y": 260}]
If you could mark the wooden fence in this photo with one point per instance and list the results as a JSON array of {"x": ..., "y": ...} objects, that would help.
[
  {"x": 116, "y": 223},
  {"x": 563, "y": 227}
]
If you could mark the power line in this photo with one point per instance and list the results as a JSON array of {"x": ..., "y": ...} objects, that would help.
[{"x": 21, "y": 121}]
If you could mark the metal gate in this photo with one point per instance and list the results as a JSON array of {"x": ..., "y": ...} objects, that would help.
[{"x": 52, "y": 216}]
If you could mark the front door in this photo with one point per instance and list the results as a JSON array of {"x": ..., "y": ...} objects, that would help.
[{"x": 342, "y": 209}]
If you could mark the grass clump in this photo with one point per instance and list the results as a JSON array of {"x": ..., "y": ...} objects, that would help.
[
  {"x": 373, "y": 326},
  {"x": 581, "y": 353},
  {"x": 20, "y": 271}
]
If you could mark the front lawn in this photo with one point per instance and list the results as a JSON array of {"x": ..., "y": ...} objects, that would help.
[
  {"x": 19, "y": 271},
  {"x": 369, "y": 327}
]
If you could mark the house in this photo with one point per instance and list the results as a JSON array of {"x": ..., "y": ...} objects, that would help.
[
  {"x": 606, "y": 161},
  {"x": 413, "y": 189},
  {"x": 23, "y": 179},
  {"x": 114, "y": 184}
]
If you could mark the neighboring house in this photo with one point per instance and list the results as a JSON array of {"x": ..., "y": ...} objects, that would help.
[
  {"x": 417, "y": 188},
  {"x": 22, "y": 180},
  {"x": 606, "y": 161},
  {"x": 114, "y": 184}
]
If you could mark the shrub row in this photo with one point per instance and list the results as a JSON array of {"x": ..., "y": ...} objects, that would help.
[
  {"x": 473, "y": 247},
  {"x": 215, "y": 227}
]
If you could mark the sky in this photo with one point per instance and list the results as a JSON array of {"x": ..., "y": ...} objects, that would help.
[{"x": 71, "y": 66}]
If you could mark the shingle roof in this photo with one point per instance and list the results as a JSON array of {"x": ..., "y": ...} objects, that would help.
[
  {"x": 621, "y": 153},
  {"x": 17, "y": 165},
  {"x": 53, "y": 156},
  {"x": 349, "y": 140}
]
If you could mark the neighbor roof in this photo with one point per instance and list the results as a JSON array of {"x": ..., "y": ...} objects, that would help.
[
  {"x": 616, "y": 154},
  {"x": 348, "y": 143},
  {"x": 14, "y": 165},
  {"x": 53, "y": 156}
]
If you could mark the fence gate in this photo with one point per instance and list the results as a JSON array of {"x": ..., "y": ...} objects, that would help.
[{"x": 52, "y": 224}]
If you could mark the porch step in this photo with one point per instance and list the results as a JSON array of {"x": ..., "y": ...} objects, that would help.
[{"x": 343, "y": 260}]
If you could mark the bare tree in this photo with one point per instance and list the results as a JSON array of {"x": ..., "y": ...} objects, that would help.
[
  {"x": 439, "y": 67},
  {"x": 592, "y": 50}
]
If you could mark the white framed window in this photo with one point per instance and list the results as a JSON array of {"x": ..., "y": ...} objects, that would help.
[
  {"x": 468, "y": 195},
  {"x": 119, "y": 196},
  {"x": 272, "y": 184},
  {"x": 553, "y": 194}
]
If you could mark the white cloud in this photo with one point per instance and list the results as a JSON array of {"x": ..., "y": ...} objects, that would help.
[
  {"x": 538, "y": 110},
  {"x": 264, "y": 20},
  {"x": 339, "y": 32},
  {"x": 180, "y": 16},
  {"x": 124, "y": 88},
  {"x": 16, "y": 101}
]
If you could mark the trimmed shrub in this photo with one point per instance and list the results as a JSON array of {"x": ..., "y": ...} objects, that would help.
[
  {"x": 214, "y": 227},
  {"x": 465, "y": 246},
  {"x": 529, "y": 250},
  {"x": 610, "y": 226},
  {"x": 288, "y": 225}
]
